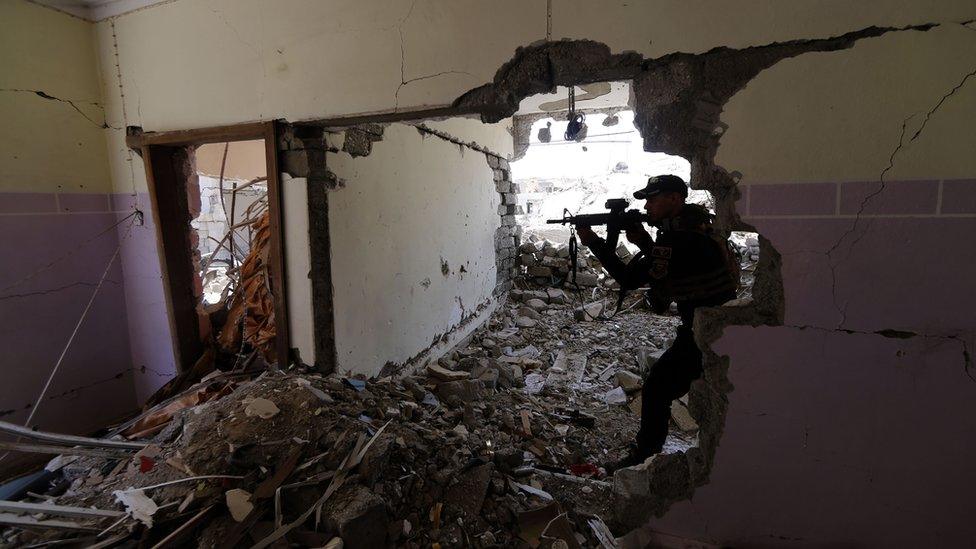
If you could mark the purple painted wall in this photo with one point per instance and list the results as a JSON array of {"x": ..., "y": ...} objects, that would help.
[
  {"x": 149, "y": 331},
  {"x": 55, "y": 249},
  {"x": 836, "y": 434}
]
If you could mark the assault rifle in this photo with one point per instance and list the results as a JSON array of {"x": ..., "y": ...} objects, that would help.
[{"x": 616, "y": 220}]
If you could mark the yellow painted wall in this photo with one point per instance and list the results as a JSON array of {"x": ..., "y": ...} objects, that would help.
[
  {"x": 838, "y": 116},
  {"x": 47, "y": 145}
]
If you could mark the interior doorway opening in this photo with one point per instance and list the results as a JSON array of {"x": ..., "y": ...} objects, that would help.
[{"x": 216, "y": 200}]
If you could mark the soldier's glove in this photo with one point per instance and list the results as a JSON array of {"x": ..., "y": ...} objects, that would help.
[{"x": 637, "y": 235}]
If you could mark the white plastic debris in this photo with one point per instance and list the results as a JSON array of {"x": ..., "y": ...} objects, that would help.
[
  {"x": 261, "y": 407},
  {"x": 139, "y": 506}
]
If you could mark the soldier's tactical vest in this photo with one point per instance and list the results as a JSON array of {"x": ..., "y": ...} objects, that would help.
[{"x": 697, "y": 219}]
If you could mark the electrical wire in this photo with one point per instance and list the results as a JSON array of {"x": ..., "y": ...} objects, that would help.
[
  {"x": 71, "y": 253},
  {"x": 74, "y": 333}
]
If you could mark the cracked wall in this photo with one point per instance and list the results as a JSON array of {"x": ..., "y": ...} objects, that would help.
[
  {"x": 307, "y": 62},
  {"x": 413, "y": 213},
  {"x": 874, "y": 352},
  {"x": 58, "y": 219},
  {"x": 678, "y": 101}
]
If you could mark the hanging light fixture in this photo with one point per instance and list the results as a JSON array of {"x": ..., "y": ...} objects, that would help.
[{"x": 576, "y": 129}]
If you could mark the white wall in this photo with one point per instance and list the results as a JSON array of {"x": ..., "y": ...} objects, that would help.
[{"x": 410, "y": 205}]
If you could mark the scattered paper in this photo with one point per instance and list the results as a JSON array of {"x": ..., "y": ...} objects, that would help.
[{"x": 139, "y": 506}]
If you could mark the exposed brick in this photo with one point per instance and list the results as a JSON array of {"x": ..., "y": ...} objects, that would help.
[
  {"x": 510, "y": 198},
  {"x": 503, "y": 186},
  {"x": 492, "y": 161}
]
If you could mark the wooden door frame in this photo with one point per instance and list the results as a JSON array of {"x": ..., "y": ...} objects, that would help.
[{"x": 174, "y": 255}]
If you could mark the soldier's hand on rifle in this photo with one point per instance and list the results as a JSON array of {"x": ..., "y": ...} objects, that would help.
[
  {"x": 586, "y": 234},
  {"x": 637, "y": 235}
]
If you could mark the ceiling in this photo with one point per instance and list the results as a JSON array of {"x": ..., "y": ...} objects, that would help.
[
  {"x": 600, "y": 95},
  {"x": 96, "y": 10}
]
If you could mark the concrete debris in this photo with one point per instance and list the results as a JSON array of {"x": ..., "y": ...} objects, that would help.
[
  {"x": 628, "y": 381},
  {"x": 589, "y": 312},
  {"x": 682, "y": 417},
  {"x": 615, "y": 396},
  {"x": 260, "y": 407},
  {"x": 525, "y": 322},
  {"x": 238, "y": 503},
  {"x": 443, "y": 374},
  {"x": 466, "y": 451}
]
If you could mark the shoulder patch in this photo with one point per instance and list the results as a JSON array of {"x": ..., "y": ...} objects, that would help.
[
  {"x": 663, "y": 252},
  {"x": 659, "y": 269}
]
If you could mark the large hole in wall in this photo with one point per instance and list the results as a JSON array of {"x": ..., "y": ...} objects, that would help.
[{"x": 431, "y": 234}]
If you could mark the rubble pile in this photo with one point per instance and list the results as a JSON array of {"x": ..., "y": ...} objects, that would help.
[
  {"x": 543, "y": 262},
  {"x": 502, "y": 443}
]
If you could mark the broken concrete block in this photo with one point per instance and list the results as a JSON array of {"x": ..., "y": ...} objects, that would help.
[
  {"x": 525, "y": 322},
  {"x": 489, "y": 379},
  {"x": 443, "y": 374},
  {"x": 556, "y": 296},
  {"x": 628, "y": 381},
  {"x": 260, "y": 407},
  {"x": 682, "y": 417},
  {"x": 615, "y": 396},
  {"x": 361, "y": 519},
  {"x": 588, "y": 312},
  {"x": 587, "y": 279},
  {"x": 537, "y": 304},
  {"x": 467, "y": 390},
  {"x": 531, "y": 246},
  {"x": 529, "y": 312},
  {"x": 509, "y": 375},
  {"x": 239, "y": 503},
  {"x": 469, "y": 363},
  {"x": 539, "y": 271},
  {"x": 468, "y": 493},
  {"x": 554, "y": 262},
  {"x": 528, "y": 260},
  {"x": 636, "y": 405}
]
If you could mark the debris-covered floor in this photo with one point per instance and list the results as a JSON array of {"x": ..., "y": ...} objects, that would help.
[{"x": 502, "y": 443}]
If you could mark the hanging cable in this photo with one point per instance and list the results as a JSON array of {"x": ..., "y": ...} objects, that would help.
[{"x": 69, "y": 254}]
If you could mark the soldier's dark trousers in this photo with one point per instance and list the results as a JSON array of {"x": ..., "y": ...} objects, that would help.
[{"x": 670, "y": 378}]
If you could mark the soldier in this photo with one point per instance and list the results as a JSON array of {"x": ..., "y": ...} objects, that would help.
[{"x": 685, "y": 265}]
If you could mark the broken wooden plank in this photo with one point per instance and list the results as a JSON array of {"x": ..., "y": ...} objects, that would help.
[
  {"x": 526, "y": 422},
  {"x": 29, "y": 448},
  {"x": 351, "y": 461},
  {"x": 17, "y": 430},
  {"x": 10, "y": 519},
  {"x": 178, "y": 535},
  {"x": 60, "y": 510},
  {"x": 602, "y": 533}
]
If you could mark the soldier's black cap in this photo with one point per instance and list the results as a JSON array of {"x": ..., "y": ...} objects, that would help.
[{"x": 662, "y": 184}]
